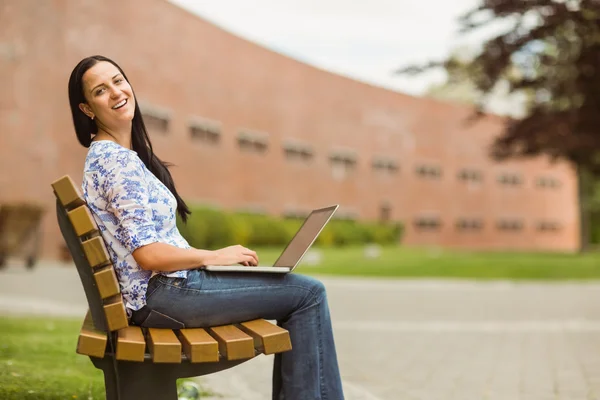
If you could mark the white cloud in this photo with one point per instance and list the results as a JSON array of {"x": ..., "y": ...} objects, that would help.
[{"x": 365, "y": 41}]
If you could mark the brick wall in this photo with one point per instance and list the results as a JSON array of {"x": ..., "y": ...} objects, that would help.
[{"x": 191, "y": 71}]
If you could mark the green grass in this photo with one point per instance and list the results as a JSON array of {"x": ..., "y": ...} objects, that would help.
[
  {"x": 38, "y": 361},
  {"x": 402, "y": 262}
]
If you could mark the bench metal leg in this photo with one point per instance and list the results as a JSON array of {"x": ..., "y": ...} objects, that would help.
[
  {"x": 148, "y": 380},
  {"x": 137, "y": 381}
]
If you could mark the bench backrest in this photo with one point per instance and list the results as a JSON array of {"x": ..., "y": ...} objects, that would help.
[{"x": 98, "y": 277}]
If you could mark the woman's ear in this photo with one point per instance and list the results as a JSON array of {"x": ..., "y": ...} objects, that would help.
[{"x": 86, "y": 110}]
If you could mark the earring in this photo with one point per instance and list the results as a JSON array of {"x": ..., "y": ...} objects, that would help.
[{"x": 93, "y": 117}]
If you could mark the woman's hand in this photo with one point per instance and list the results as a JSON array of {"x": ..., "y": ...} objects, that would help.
[{"x": 235, "y": 255}]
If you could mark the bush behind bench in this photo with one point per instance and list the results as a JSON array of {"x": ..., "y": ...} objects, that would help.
[{"x": 211, "y": 228}]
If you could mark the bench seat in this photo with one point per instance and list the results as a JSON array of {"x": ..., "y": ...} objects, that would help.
[{"x": 196, "y": 345}]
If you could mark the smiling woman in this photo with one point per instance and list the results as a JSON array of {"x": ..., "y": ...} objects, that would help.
[
  {"x": 132, "y": 197},
  {"x": 97, "y": 84}
]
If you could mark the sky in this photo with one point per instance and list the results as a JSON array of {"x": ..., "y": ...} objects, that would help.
[{"x": 362, "y": 40}]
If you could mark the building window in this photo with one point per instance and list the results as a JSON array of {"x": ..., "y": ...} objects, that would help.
[
  {"x": 510, "y": 179},
  {"x": 385, "y": 212},
  {"x": 469, "y": 224},
  {"x": 253, "y": 142},
  {"x": 548, "y": 226},
  {"x": 384, "y": 164},
  {"x": 156, "y": 119},
  {"x": 297, "y": 151},
  {"x": 205, "y": 131},
  {"x": 428, "y": 223},
  {"x": 547, "y": 182},
  {"x": 429, "y": 171},
  {"x": 509, "y": 225},
  {"x": 343, "y": 162},
  {"x": 470, "y": 175}
]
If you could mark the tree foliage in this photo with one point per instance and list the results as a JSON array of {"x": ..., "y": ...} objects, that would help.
[{"x": 555, "y": 46}]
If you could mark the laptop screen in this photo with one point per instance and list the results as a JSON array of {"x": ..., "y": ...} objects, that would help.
[{"x": 305, "y": 236}]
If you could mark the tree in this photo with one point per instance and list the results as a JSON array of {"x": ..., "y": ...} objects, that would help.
[
  {"x": 555, "y": 46},
  {"x": 460, "y": 87}
]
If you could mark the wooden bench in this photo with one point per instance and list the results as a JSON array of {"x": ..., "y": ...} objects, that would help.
[{"x": 144, "y": 363}]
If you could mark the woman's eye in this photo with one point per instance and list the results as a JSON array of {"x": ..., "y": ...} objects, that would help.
[
  {"x": 99, "y": 91},
  {"x": 119, "y": 81}
]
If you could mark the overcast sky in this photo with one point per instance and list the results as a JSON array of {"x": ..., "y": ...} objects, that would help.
[{"x": 359, "y": 39}]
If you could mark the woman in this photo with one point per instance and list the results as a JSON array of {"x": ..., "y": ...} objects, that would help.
[{"x": 133, "y": 199}]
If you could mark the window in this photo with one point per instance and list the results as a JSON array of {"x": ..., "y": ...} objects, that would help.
[
  {"x": 385, "y": 212},
  {"x": 156, "y": 119},
  {"x": 427, "y": 223},
  {"x": 547, "y": 182},
  {"x": 548, "y": 226},
  {"x": 509, "y": 225},
  {"x": 510, "y": 179},
  {"x": 470, "y": 175},
  {"x": 297, "y": 151},
  {"x": 343, "y": 162},
  {"x": 156, "y": 124},
  {"x": 429, "y": 171},
  {"x": 385, "y": 164},
  {"x": 205, "y": 131},
  {"x": 469, "y": 224},
  {"x": 253, "y": 142}
]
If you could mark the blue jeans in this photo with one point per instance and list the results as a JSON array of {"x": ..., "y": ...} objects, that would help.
[{"x": 299, "y": 303}]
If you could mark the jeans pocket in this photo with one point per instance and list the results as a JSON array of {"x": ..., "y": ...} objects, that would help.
[
  {"x": 153, "y": 285},
  {"x": 159, "y": 320}
]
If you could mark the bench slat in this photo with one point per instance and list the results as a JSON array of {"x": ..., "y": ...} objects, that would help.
[
  {"x": 82, "y": 220},
  {"x": 95, "y": 251},
  {"x": 68, "y": 194},
  {"x": 106, "y": 280},
  {"x": 199, "y": 346},
  {"x": 116, "y": 316},
  {"x": 91, "y": 342},
  {"x": 131, "y": 345},
  {"x": 164, "y": 346},
  {"x": 268, "y": 338},
  {"x": 233, "y": 343}
]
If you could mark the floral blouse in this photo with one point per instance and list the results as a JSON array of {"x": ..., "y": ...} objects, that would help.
[{"x": 132, "y": 208}]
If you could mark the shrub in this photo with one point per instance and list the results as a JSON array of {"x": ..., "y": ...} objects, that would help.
[
  {"x": 595, "y": 228},
  {"x": 265, "y": 230},
  {"x": 210, "y": 228}
]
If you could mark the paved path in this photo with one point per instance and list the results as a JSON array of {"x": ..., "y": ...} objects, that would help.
[{"x": 400, "y": 339}]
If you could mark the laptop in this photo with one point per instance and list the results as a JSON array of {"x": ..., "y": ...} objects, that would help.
[{"x": 295, "y": 249}]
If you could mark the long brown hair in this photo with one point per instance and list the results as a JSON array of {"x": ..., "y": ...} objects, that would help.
[{"x": 140, "y": 141}]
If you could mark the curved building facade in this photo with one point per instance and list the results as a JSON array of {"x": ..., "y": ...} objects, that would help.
[{"x": 249, "y": 128}]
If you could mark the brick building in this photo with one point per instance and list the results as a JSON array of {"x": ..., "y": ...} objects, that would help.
[{"x": 249, "y": 128}]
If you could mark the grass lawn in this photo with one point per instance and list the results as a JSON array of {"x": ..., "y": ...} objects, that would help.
[
  {"x": 38, "y": 361},
  {"x": 405, "y": 262}
]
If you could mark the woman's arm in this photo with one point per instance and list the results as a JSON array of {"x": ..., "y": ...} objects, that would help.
[
  {"x": 128, "y": 198},
  {"x": 165, "y": 257}
]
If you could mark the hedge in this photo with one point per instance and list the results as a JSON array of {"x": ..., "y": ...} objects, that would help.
[
  {"x": 210, "y": 228},
  {"x": 595, "y": 228}
]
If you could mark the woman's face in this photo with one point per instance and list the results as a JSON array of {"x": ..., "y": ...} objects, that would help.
[{"x": 109, "y": 97}]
